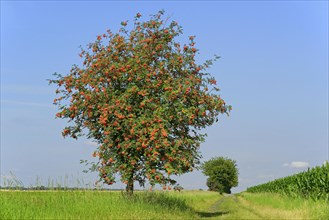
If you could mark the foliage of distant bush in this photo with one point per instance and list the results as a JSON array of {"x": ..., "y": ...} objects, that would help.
[{"x": 222, "y": 173}]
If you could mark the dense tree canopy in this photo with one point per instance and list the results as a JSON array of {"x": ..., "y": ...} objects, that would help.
[
  {"x": 144, "y": 99},
  {"x": 222, "y": 173}
]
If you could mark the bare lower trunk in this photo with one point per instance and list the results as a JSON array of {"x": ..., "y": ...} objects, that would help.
[{"x": 130, "y": 186}]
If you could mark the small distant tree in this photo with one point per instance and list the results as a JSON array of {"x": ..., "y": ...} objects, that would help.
[
  {"x": 142, "y": 97},
  {"x": 222, "y": 174},
  {"x": 178, "y": 188}
]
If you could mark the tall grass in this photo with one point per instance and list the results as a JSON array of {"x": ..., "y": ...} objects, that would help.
[
  {"x": 65, "y": 198},
  {"x": 278, "y": 206},
  {"x": 102, "y": 205},
  {"x": 67, "y": 182}
]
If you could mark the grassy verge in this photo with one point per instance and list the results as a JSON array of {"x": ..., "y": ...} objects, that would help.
[
  {"x": 272, "y": 206},
  {"x": 156, "y": 205},
  {"x": 104, "y": 205}
]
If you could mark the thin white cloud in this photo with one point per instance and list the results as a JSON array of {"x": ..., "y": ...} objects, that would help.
[
  {"x": 91, "y": 143},
  {"x": 245, "y": 180},
  {"x": 265, "y": 176},
  {"x": 27, "y": 89},
  {"x": 13, "y": 102},
  {"x": 297, "y": 164}
]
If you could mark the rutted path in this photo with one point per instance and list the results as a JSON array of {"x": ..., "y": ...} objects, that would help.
[
  {"x": 243, "y": 207},
  {"x": 216, "y": 205},
  {"x": 228, "y": 207},
  {"x": 215, "y": 211}
]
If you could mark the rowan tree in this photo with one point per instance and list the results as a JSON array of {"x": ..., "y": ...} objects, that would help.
[{"x": 143, "y": 98}]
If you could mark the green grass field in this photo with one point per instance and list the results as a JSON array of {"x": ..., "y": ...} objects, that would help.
[{"x": 155, "y": 205}]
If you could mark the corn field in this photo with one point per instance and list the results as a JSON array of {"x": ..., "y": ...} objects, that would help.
[{"x": 313, "y": 183}]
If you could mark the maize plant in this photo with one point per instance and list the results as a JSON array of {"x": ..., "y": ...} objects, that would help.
[{"x": 313, "y": 183}]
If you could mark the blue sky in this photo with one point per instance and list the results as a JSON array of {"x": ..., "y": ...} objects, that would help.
[{"x": 273, "y": 71}]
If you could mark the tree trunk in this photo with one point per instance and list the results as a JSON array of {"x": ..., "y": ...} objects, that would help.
[{"x": 130, "y": 185}]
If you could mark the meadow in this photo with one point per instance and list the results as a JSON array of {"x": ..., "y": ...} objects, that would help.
[
  {"x": 91, "y": 204},
  {"x": 300, "y": 196}
]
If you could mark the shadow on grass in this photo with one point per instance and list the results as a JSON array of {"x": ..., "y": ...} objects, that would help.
[
  {"x": 211, "y": 214},
  {"x": 170, "y": 202},
  {"x": 160, "y": 199}
]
